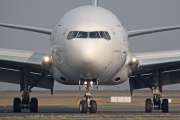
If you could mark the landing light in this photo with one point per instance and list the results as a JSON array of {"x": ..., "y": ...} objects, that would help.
[
  {"x": 46, "y": 59},
  {"x": 85, "y": 82},
  {"x": 91, "y": 82},
  {"x": 134, "y": 60}
]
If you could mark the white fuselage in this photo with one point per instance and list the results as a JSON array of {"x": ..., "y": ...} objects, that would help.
[{"x": 89, "y": 58}]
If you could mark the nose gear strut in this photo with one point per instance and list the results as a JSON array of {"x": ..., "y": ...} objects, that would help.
[{"x": 87, "y": 104}]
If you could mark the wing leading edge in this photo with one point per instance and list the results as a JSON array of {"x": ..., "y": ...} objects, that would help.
[
  {"x": 149, "y": 59},
  {"x": 27, "y": 28},
  {"x": 22, "y": 56},
  {"x": 151, "y": 30}
]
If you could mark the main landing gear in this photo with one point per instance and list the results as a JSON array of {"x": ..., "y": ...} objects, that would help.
[
  {"x": 156, "y": 103},
  {"x": 26, "y": 102},
  {"x": 88, "y": 105}
]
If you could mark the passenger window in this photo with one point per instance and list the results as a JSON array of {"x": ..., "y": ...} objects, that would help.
[
  {"x": 82, "y": 35},
  {"x": 94, "y": 35}
]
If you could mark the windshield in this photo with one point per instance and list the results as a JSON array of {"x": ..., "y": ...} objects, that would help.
[
  {"x": 94, "y": 34},
  {"x": 82, "y": 34},
  {"x": 72, "y": 35}
]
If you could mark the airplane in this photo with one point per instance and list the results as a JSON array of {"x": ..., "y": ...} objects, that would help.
[{"x": 89, "y": 47}]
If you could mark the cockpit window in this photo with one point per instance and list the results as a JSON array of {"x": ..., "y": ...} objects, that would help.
[
  {"x": 94, "y": 34},
  {"x": 72, "y": 34},
  {"x": 105, "y": 35},
  {"x": 69, "y": 35},
  {"x": 108, "y": 36},
  {"x": 82, "y": 34}
]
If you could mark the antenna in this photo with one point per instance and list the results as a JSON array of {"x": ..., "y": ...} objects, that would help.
[{"x": 94, "y": 2}]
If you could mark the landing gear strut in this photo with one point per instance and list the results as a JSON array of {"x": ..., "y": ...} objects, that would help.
[
  {"x": 156, "y": 104},
  {"x": 26, "y": 102},
  {"x": 87, "y": 104}
]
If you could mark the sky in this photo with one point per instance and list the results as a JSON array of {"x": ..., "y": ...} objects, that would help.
[{"x": 134, "y": 14}]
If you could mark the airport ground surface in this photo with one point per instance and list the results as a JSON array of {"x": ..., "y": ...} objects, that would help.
[{"x": 64, "y": 105}]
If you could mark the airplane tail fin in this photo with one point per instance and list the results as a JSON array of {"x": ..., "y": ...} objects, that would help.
[{"x": 94, "y": 2}]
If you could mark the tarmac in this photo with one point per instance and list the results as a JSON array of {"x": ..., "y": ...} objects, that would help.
[
  {"x": 108, "y": 111},
  {"x": 63, "y": 105}
]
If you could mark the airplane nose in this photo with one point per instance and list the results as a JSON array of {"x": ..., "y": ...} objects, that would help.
[
  {"x": 88, "y": 52},
  {"x": 92, "y": 57}
]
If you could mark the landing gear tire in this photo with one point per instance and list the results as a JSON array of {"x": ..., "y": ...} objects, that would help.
[
  {"x": 148, "y": 106},
  {"x": 34, "y": 105},
  {"x": 165, "y": 106},
  {"x": 93, "y": 108},
  {"x": 83, "y": 107},
  {"x": 17, "y": 105}
]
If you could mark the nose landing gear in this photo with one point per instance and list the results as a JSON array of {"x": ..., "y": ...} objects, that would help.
[{"x": 87, "y": 104}]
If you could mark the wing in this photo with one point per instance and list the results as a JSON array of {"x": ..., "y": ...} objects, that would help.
[
  {"x": 155, "y": 60},
  {"x": 12, "y": 62},
  {"x": 145, "y": 64},
  {"x": 27, "y": 28},
  {"x": 151, "y": 30},
  {"x": 17, "y": 65}
]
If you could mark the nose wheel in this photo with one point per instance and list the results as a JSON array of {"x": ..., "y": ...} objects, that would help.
[
  {"x": 88, "y": 105},
  {"x": 93, "y": 106},
  {"x": 83, "y": 106}
]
